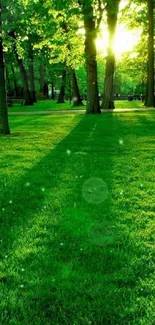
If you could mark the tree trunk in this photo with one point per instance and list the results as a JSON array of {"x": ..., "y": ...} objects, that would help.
[
  {"x": 27, "y": 95},
  {"x": 16, "y": 92},
  {"x": 8, "y": 82},
  {"x": 93, "y": 106},
  {"x": 112, "y": 16},
  {"x": 61, "y": 98},
  {"x": 146, "y": 92},
  {"x": 76, "y": 93},
  {"x": 45, "y": 89},
  {"x": 42, "y": 77},
  {"x": 108, "y": 102},
  {"x": 4, "y": 125},
  {"x": 53, "y": 94},
  {"x": 150, "y": 102},
  {"x": 43, "y": 82},
  {"x": 31, "y": 72}
]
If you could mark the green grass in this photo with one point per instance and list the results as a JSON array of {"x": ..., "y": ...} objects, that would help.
[
  {"x": 46, "y": 105},
  {"x": 65, "y": 261},
  {"x": 127, "y": 104},
  {"x": 50, "y": 105}
]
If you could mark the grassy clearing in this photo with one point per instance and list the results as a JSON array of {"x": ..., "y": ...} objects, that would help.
[
  {"x": 50, "y": 105},
  {"x": 63, "y": 260}
]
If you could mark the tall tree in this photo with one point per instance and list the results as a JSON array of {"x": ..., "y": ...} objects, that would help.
[
  {"x": 76, "y": 92},
  {"x": 61, "y": 97},
  {"x": 16, "y": 92},
  {"x": 4, "y": 125},
  {"x": 93, "y": 105},
  {"x": 23, "y": 72},
  {"x": 150, "y": 101},
  {"x": 112, "y": 16},
  {"x": 31, "y": 70}
]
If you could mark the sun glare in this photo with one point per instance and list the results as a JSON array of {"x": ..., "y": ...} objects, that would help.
[{"x": 125, "y": 41}]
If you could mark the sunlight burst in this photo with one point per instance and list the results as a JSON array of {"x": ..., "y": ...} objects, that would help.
[{"x": 125, "y": 40}]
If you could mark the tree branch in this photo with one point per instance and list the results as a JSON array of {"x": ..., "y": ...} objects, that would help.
[{"x": 101, "y": 11}]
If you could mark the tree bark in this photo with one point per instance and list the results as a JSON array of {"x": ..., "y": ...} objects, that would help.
[
  {"x": 112, "y": 16},
  {"x": 43, "y": 81},
  {"x": 61, "y": 98},
  {"x": 53, "y": 94},
  {"x": 31, "y": 72},
  {"x": 42, "y": 78},
  {"x": 45, "y": 92},
  {"x": 108, "y": 101},
  {"x": 4, "y": 124},
  {"x": 16, "y": 92},
  {"x": 93, "y": 106},
  {"x": 76, "y": 93},
  {"x": 150, "y": 102},
  {"x": 8, "y": 82}
]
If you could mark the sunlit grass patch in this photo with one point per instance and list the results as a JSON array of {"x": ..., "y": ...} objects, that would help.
[{"x": 128, "y": 104}]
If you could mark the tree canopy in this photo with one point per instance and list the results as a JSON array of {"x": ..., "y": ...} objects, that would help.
[{"x": 41, "y": 39}]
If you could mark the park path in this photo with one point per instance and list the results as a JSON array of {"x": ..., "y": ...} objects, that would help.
[{"x": 118, "y": 110}]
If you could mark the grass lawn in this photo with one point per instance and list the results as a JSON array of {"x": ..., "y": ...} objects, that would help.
[
  {"x": 46, "y": 105},
  {"x": 72, "y": 253},
  {"x": 50, "y": 105},
  {"x": 127, "y": 104}
]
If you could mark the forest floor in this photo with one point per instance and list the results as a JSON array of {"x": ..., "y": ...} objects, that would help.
[
  {"x": 77, "y": 209},
  {"x": 51, "y": 105}
]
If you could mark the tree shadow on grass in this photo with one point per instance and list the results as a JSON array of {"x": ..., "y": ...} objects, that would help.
[
  {"x": 27, "y": 196},
  {"x": 69, "y": 261}
]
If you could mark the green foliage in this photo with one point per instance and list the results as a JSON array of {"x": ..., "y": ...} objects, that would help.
[{"x": 41, "y": 24}]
